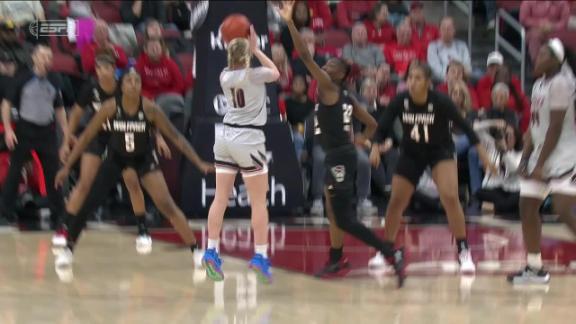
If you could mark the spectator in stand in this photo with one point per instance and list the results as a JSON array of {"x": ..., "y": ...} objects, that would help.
[
  {"x": 21, "y": 14},
  {"x": 349, "y": 12},
  {"x": 101, "y": 42},
  {"x": 136, "y": 12},
  {"x": 422, "y": 33},
  {"x": 503, "y": 190},
  {"x": 366, "y": 56},
  {"x": 543, "y": 19},
  {"x": 499, "y": 109},
  {"x": 320, "y": 15},
  {"x": 397, "y": 11},
  {"x": 301, "y": 18},
  {"x": 386, "y": 86},
  {"x": 484, "y": 85},
  {"x": 282, "y": 64},
  {"x": 461, "y": 97},
  {"x": 456, "y": 73},
  {"x": 10, "y": 43},
  {"x": 380, "y": 31},
  {"x": 403, "y": 51},
  {"x": 298, "y": 108},
  {"x": 309, "y": 38},
  {"x": 518, "y": 101},
  {"x": 162, "y": 80},
  {"x": 446, "y": 49}
]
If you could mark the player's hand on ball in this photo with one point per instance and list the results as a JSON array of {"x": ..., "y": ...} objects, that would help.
[
  {"x": 285, "y": 10},
  {"x": 61, "y": 176}
]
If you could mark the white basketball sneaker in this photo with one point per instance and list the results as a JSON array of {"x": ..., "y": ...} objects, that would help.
[
  {"x": 466, "y": 263},
  {"x": 377, "y": 261},
  {"x": 64, "y": 258},
  {"x": 144, "y": 244}
]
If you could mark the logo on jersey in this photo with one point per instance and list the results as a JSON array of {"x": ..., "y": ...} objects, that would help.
[{"x": 338, "y": 172}]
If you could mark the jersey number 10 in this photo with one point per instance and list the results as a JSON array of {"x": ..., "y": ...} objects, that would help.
[
  {"x": 238, "y": 98},
  {"x": 415, "y": 133}
]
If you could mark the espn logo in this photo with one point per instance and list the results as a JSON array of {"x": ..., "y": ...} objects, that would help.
[{"x": 58, "y": 28}]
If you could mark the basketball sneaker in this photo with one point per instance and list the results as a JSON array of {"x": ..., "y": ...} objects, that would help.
[
  {"x": 261, "y": 266},
  {"x": 398, "y": 262},
  {"x": 213, "y": 265},
  {"x": 377, "y": 261},
  {"x": 334, "y": 269},
  {"x": 144, "y": 244},
  {"x": 466, "y": 263},
  {"x": 59, "y": 238},
  {"x": 529, "y": 276},
  {"x": 64, "y": 259}
]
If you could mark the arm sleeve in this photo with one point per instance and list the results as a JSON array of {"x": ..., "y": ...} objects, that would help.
[
  {"x": 261, "y": 75},
  {"x": 560, "y": 94},
  {"x": 58, "y": 101},
  {"x": 454, "y": 115},
  {"x": 386, "y": 122},
  {"x": 85, "y": 95}
]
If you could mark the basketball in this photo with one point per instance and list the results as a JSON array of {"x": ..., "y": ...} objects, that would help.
[{"x": 234, "y": 26}]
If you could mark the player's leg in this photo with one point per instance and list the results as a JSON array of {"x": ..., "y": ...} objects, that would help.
[
  {"x": 89, "y": 166},
  {"x": 337, "y": 265},
  {"x": 532, "y": 194},
  {"x": 565, "y": 207},
  {"x": 341, "y": 177},
  {"x": 154, "y": 183},
  {"x": 104, "y": 180},
  {"x": 445, "y": 176},
  {"x": 257, "y": 186},
  {"x": 143, "y": 241}
]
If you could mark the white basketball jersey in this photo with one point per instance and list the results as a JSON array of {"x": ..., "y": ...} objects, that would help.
[
  {"x": 556, "y": 93},
  {"x": 245, "y": 91}
]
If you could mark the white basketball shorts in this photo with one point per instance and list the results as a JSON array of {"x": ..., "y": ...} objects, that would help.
[
  {"x": 240, "y": 149},
  {"x": 563, "y": 185}
]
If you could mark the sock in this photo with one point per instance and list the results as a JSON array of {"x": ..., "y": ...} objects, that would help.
[
  {"x": 387, "y": 249},
  {"x": 141, "y": 223},
  {"x": 335, "y": 254},
  {"x": 76, "y": 225},
  {"x": 214, "y": 244},
  {"x": 461, "y": 244},
  {"x": 534, "y": 260},
  {"x": 262, "y": 250}
]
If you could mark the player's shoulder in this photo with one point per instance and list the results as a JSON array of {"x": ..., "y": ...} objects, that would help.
[
  {"x": 399, "y": 98},
  {"x": 439, "y": 97}
]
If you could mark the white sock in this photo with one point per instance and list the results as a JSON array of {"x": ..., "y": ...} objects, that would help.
[
  {"x": 262, "y": 250},
  {"x": 214, "y": 244},
  {"x": 534, "y": 260}
]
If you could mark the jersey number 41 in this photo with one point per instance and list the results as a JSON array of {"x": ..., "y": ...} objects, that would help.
[{"x": 415, "y": 134}]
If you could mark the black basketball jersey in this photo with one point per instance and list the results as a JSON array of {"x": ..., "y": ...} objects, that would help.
[
  {"x": 333, "y": 124},
  {"x": 130, "y": 136},
  {"x": 427, "y": 127},
  {"x": 92, "y": 96}
]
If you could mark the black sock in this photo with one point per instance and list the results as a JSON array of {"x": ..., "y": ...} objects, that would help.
[
  {"x": 194, "y": 247},
  {"x": 335, "y": 254},
  {"x": 387, "y": 249},
  {"x": 462, "y": 244},
  {"x": 141, "y": 222}
]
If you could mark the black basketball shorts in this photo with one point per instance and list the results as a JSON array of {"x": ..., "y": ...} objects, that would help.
[{"x": 412, "y": 165}]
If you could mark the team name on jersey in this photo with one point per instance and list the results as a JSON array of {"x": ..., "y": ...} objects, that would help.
[
  {"x": 131, "y": 126},
  {"x": 418, "y": 118}
]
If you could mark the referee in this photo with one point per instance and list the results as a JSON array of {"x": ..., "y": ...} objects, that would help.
[{"x": 38, "y": 100}]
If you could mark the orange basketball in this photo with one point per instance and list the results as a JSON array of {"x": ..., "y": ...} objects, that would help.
[{"x": 234, "y": 26}]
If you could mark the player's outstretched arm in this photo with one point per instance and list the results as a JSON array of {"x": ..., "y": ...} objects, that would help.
[
  {"x": 158, "y": 118},
  {"x": 94, "y": 126},
  {"x": 264, "y": 60},
  {"x": 324, "y": 81}
]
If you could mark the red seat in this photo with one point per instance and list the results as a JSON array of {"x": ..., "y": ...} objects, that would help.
[
  {"x": 109, "y": 11},
  {"x": 568, "y": 37}
]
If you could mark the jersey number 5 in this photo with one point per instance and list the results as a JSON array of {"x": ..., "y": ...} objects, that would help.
[
  {"x": 415, "y": 133},
  {"x": 238, "y": 98},
  {"x": 129, "y": 140}
]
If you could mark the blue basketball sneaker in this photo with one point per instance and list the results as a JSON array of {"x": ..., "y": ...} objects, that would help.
[
  {"x": 261, "y": 266},
  {"x": 213, "y": 265}
]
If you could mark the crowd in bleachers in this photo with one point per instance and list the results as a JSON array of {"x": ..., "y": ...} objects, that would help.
[{"x": 377, "y": 38}]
